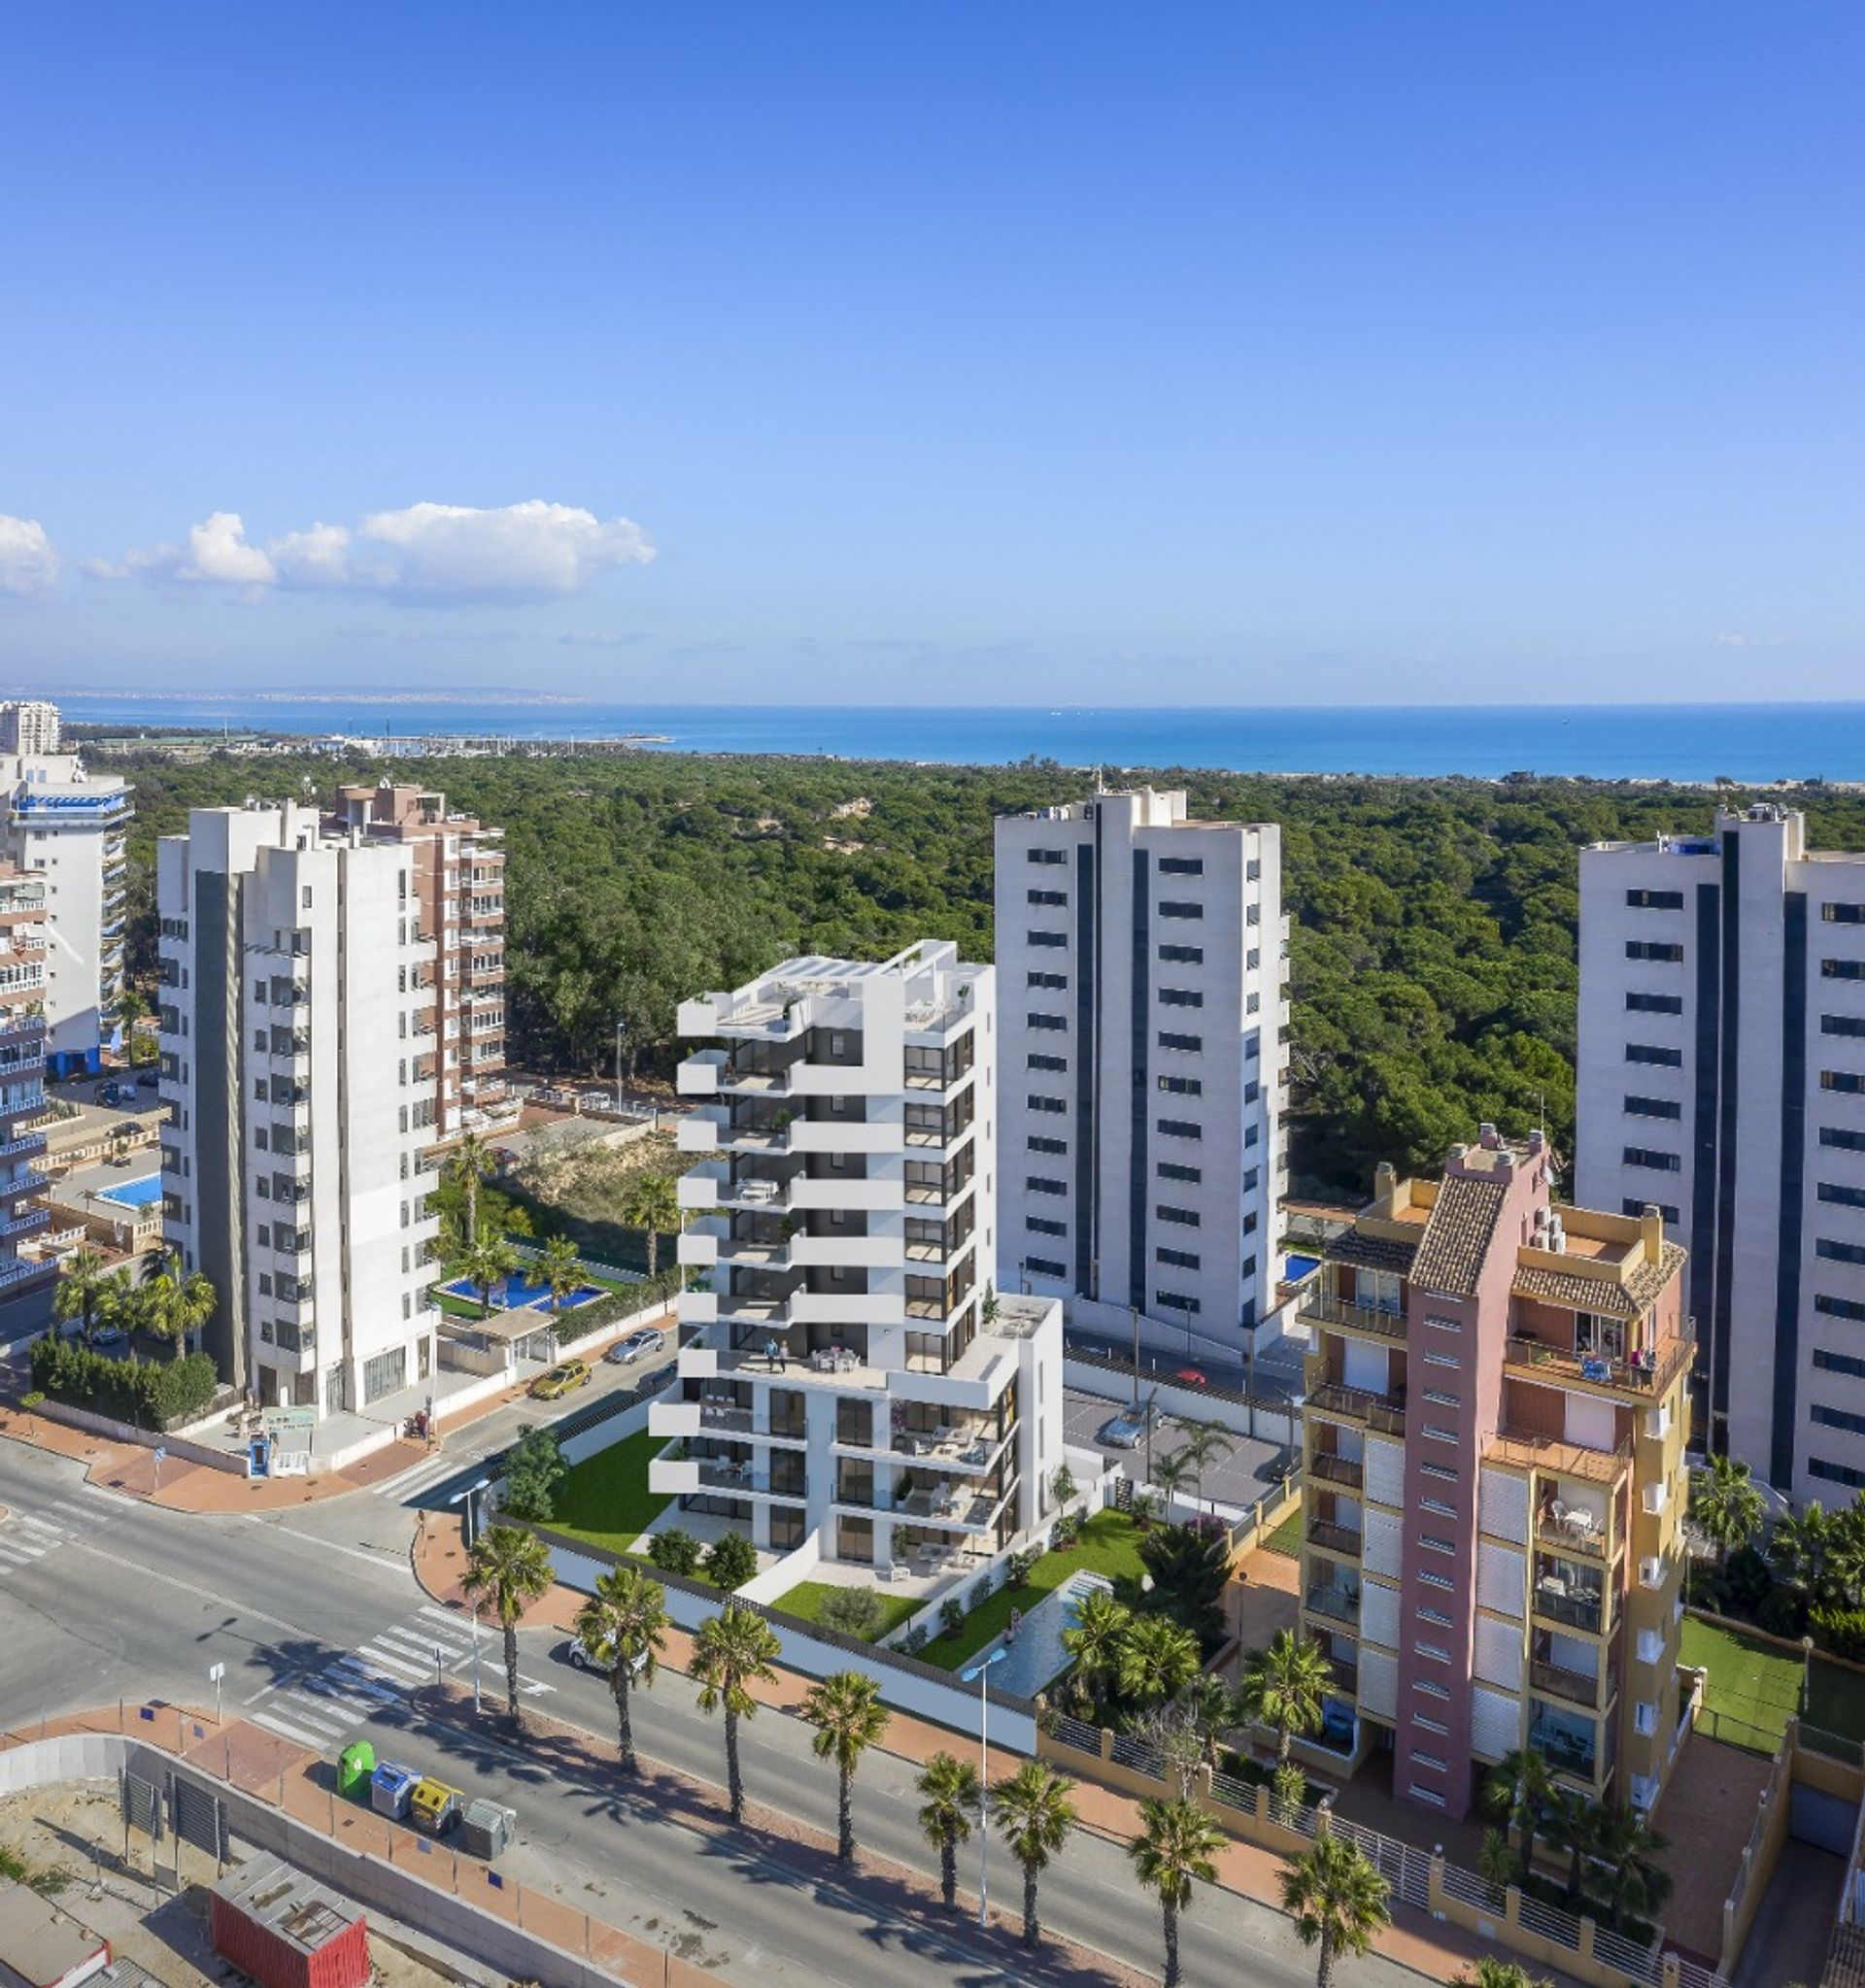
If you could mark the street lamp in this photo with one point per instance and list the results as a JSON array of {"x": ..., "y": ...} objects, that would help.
[
  {"x": 620, "y": 1031},
  {"x": 1806, "y": 1673},
  {"x": 977, "y": 1670},
  {"x": 471, "y": 1491}
]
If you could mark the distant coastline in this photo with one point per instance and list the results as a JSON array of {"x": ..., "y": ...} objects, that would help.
[{"x": 1750, "y": 744}]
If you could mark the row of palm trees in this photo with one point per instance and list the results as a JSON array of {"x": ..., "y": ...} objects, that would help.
[
  {"x": 1612, "y": 1853},
  {"x": 1336, "y": 1897},
  {"x": 165, "y": 1301},
  {"x": 1818, "y": 1554}
]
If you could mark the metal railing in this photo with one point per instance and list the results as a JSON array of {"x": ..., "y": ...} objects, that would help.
[
  {"x": 1322, "y": 1309},
  {"x": 1333, "y": 1470},
  {"x": 1385, "y": 1412}
]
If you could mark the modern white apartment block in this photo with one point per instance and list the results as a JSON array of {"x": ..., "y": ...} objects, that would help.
[
  {"x": 1722, "y": 1077},
  {"x": 27, "y": 726},
  {"x": 295, "y": 974},
  {"x": 854, "y": 1371},
  {"x": 1141, "y": 970},
  {"x": 23, "y": 1285},
  {"x": 63, "y": 823}
]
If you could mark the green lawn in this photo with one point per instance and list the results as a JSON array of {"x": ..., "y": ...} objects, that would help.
[
  {"x": 1109, "y": 1544},
  {"x": 1286, "y": 1539},
  {"x": 605, "y": 1499},
  {"x": 807, "y": 1598},
  {"x": 1752, "y": 1683}
]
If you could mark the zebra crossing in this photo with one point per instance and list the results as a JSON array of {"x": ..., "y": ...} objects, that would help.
[
  {"x": 319, "y": 1708},
  {"x": 26, "y": 1537},
  {"x": 418, "y": 1478}
]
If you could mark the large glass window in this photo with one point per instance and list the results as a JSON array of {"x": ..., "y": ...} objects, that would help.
[{"x": 383, "y": 1375}]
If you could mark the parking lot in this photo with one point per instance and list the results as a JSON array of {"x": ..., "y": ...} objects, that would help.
[{"x": 1237, "y": 1479}]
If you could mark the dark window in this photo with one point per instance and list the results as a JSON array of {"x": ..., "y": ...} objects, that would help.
[
  {"x": 1036, "y": 1144},
  {"x": 1847, "y": 1081},
  {"x": 1182, "y": 955},
  {"x": 1178, "y": 1259},
  {"x": 1175, "y": 1300},
  {"x": 1037, "y": 1101},
  {"x": 1170, "y": 1169},
  {"x": 1838, "y": 1418},
  {"x": 1180, "y": 1129},
  {"x": 1050, "y": 900},
  {"x": 1843, "y": 969},
  {"x": 1182, "y": 1087},
  {"x": 1655, "y": 1004},
  {"x": 1842, "y": 1025},
  {"x": 1185, "y": 1218},
  {"x": 1655, "y": 900},
  {"x": 1054, "y": 981},
  {"x": 1834, "y": 1474},
  {"x": 1037, "y": 1185},
  {"x": 1651, "y": 948},
  {"x": 1654, "y": 1052},
  {"x": 1048, "y": 938},
  {"x": 1632, "y": 1206},
  {"x": 1175, "y": 908},
  {"x": 1840, "y": 1252},
  {"x": 1653, "y": 1108},
  {"x": 1041, "y": 1224},
  {"x": 1182, "y": 865},
  {"x": 1192, "y": 1045},
  {"x": 1180, "y": 997},
  {"x": 1839, "y": 1363},
  {"x": 1044, "y": 1266},
  {"x": 1035, "y": 1061},
  {"x": 1048, "y": 855},
  {"x": 1657, "y": 1162},
  {"x": 1050, "y": 1022},
  {"x": 1838, "y": 1307},
  {"x": 1846, "y": 1141},
  {"x": 1843, "y": 914},
  {"x": 1842, "y": 1196}
]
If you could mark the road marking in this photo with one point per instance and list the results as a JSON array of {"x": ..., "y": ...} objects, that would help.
[
  {"x": 424, "y": 1647},
  {"x": 451, "y": 1616},
  {"x": 307, "y": 1711},
  {"x": 19, "y": 1556},
  {"x": 358, "y": 1677},
  {"x": 383, "y": 1556},
  {"x": 393, "y": 1667},
  {"x": 350, "y": 1701},
  {"x": 285, "y": 1730},
  {"x": 53, "y": 1535},
  {"x": 144, "y": 1572}
]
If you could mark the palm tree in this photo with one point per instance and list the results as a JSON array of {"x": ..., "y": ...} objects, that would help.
[
  {"x": 1157, "y": 1658},
  {"x": 624, "y": 1624},
  {"x": 489, "y": 1260},
  {"x": 175, "y": 1303},
  {"x": 1175, "y": 1848},
  {"x": 651, "y": 1202},
  {"x": 732, "y": 1651},
  {"x": 1522, "y": 1791},
  {"x": 1094, "y": 1642},
  {"x": 79, "y": 1290},
  {"x": 1488, "y": 1971},
  {"x": 1034, "y": 1817},
  {"x": 953, "y": 1794},
  {"x": 561, "y": 1269},
  {"x": 1283, "y": 1686},
  {"x": 1800, "y": 1550},
  {"x": 1212, "y": 1706},
  {"x": 1725, "y": 1506},
  {"x": 1630, "y": 1848},
  {"x": 1205, "y": 1443},
  {"x": 849, "y": 1718},
  {"x": 1172, "y": 1473},
  {"x": 509, "y": 1569},
  {"x": 471, "y": 1162},
  {"x": 1337, "y": 1899},
  {"x": 123, "y": 1303},
  {"x": 1573, "y": 1828}
]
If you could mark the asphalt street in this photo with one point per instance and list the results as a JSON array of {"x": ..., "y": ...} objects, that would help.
[{"x": 322, "y": 1629}]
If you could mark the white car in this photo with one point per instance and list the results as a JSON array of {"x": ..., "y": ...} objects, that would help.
[
  {"x": 626, "y": 1352},
  {"x": 580, "y": 1657}
]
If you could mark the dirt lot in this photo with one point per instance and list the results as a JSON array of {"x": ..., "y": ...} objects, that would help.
[{"x": 70, "y": 1839}]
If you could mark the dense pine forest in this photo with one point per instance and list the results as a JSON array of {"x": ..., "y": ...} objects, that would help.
[{"x": 1433, "y": 948}]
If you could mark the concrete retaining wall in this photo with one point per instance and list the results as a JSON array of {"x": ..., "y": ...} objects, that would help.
[
  {"x": 619, "y": 1427},
  {"x": 1267, "y": 1421}
]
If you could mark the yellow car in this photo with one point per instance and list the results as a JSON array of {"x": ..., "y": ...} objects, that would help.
[{"x": 568, "y": 1375}]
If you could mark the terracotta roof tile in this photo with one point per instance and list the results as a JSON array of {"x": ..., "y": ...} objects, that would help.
[
  {"x": 1598, "y": 1294},
  {"x": 1457, "y": 1237},
  {"x": 1370, "y": 1252}
]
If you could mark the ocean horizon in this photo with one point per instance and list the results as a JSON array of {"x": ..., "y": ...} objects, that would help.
[{"x": 1751, "y": 744}]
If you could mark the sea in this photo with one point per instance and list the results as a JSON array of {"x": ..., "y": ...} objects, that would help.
[{"x": 1751, "y": 744}]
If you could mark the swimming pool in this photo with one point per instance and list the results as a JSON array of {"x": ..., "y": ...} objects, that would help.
[
  {"x": 1037, "y": 1655},
  {"x": 517, "y": 1290},
  {"x": 1295, "y": 1268},
  {"x": 134, "y": 1193}
]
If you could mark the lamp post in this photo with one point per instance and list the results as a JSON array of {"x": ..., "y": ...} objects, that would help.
[
  {"x": 1806, "y": 1673},
  {"x": 978, "y": 1671},
  {"x": 471, "y": 1491},
  {"x": 620, "y": 1031}
]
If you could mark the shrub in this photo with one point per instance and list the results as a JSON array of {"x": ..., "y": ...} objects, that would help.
[
  {"x": 1068, "y": 1531},
  {"x": 532, "y": 1471},
  {"x": 731, "y": 1563},
  {"x": 852, "y": 1612},
  {"x": 1782, "y": 1613},
  {"x": 1747, "y": 1580},
  {"x": 1018, "y": 1567},
  {"x": 1842, "y": 1631},
  {"x": 915, "y": 1639},
  {"x": 951, "y": 1615},
  {"x": 1289, "y": 1784},
  {"x": 150, "y": 1394},
  {"x": 674, "y": 1552}
]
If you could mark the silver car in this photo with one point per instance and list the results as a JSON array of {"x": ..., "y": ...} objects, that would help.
[
  {"x": 1125, "y": 1431},
  {"x": 626, "y": 1352}
]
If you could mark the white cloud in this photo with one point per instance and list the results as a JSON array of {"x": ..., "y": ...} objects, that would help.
[
  {"x": 28, "y": 563},
  {"x": 533, "y": 551},
  {"x": 1736, "y": 641}
]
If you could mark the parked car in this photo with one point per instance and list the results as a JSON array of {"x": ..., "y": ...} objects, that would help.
[
  {"x": 578, "y": 1654},
  {"x": 148, "y": 1076},
  {"x": 626, "y": 1352},
  {"x": 1190, "y": 1377},
  {"x": 1125, "y": 1430},
  {"x": 107, "y": 1338},
  {"x": 566, "y": 1375},
  {"x": 661, "y": 1377}
]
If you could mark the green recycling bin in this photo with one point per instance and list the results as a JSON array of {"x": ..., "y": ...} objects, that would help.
[{"x": 355, "y": 1764}]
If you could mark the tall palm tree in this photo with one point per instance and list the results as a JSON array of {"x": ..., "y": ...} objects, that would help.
[
  {"x": 621, "y": 1625},
  {"x": 1212, "y": 1706},
  {"x": 561, "y": 1269},
  {"x": 1177, "y": 1848},
  {"x": 1573, "y": 1828},
  {"x": 849, "y": 1717},
  {"x": 1101, "y": 1625},
  {"x": 732, "y": 1651},
  {"x": 1172, "y": 1473},
  {"x": 489, "y": 1260},
  {"x": 1522, "y": 1791},
  {"x": 80, "y": 1287},
  {"x": 1337, "y": 1899},
  {"x": 508, "y": 1569},
  {"x": 471, "y": 1162},
  {"x": 1035, "y": 1819},
  {"x": 1725, "y": 1506},
  {"x": 1800, "y": 1550},
  {"x": 1630, "y": 1849},
  {"x": 1156, "y": 1659},
  {"x": 952, "y": 1795},
  {"x": 651, "y": 1202},
  {"x": 1205, "y": 1442},
  {"x": 176, "y": 1302},
  {"x": 123, "y": 1303},
  {"x": 1283, "y": 1685}
]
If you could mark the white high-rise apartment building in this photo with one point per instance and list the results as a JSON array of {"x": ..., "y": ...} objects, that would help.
[
  {"x": 60, "y": 822},
  {"x": 295, "y": 975},
  {"x": 856, "y": 1373},
  {"x": 1722, "y": 1078},
  {"x": 1141, "y": 962}
]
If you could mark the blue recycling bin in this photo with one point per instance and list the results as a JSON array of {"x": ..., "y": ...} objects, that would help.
[{"x": 391, "y": 1788}]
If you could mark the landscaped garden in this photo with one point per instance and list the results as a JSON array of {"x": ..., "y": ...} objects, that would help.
[
  {"x": 1756, "y": 1684},
  {"x": 821, "y": 1602},
  {"x": 605, "y": 1499}
]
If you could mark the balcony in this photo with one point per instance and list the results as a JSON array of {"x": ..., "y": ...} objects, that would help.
[
  {"x": 1333, "y": 1538},
  {"x": 1525, "y": 1449},
  {"x": 1334, "y": 1470},
  {"x": 1336, "y": 1605},
  {"x": 1554, "y": 1599},
  {"x": 1569, "y": 1746},
  {"x": 1567, "y": 1366},
  {"x": 1385, "y": 1412},
  {"x": 1323, "y": 1310},
  {"x": 1575, "y": 1685}
]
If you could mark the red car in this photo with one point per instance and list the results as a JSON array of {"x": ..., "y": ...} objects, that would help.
[{"x": 1190, "y": 1377}]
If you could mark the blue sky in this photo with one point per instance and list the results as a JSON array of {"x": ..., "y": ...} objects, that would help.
[{"x": 937, "y": 355}]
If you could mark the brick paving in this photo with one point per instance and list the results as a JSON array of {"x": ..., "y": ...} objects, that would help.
[{"x": 1708, "y": 1809}]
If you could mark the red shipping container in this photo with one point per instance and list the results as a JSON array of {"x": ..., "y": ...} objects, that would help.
[{"x": 288, "y": 1930}]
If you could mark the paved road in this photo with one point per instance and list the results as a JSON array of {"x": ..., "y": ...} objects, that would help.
[
  {"x": 323, "y": 1630},
  {"x": 1278, "y": 1373},
  {"x": 1239, "y": 1480}
]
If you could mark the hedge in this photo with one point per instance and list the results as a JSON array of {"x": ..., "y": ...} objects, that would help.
[{"x": 152, "y": 1395}]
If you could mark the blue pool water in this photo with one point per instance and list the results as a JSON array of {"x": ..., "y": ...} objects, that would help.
[
  {"x": 517, "y": 1290},
  {"x": 1037, "y": 1655},
  {"x": 135, "y": 1193},
  {"x": 1297, "y": 1267}
]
